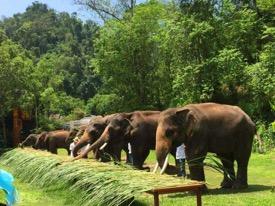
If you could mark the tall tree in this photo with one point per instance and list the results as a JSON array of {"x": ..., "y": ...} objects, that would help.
[
  {"x": 108, "y": 8},
  {"x": 127, "y": 57},
  {"x": 15, "y": 67}
]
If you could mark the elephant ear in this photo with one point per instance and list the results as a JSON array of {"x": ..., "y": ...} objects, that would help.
[
  {"x": 186, "y": 119},
  {"x": 127, "y": 126}
]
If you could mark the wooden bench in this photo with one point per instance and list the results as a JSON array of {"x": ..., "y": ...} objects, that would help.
[{"x": 194, "y": 187}]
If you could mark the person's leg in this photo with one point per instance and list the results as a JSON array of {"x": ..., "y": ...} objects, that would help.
[{"x": 181, "y": 167}]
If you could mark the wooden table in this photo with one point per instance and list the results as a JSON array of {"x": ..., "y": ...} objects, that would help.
[{"x": 194, "y": 187}]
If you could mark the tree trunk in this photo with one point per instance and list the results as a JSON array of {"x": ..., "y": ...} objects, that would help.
[{"x": 4, "y": 130}]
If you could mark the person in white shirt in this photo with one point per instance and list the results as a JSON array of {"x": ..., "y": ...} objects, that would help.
[
  {"x": 73, "y": 144},
  {"x": 129, "y": 155},
  {"x": 180, "y": 160}
]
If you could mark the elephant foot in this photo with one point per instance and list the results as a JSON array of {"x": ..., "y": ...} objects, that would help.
[
  {"x": 147, "y": 169},
  {"x": 203, "y": 190},
  {"x": 171, "y": 170},
  {"x": 238, "y": 185},
  {"x": 226, "y": 184}
]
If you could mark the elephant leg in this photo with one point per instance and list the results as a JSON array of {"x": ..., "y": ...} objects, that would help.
[
  {"x": 229, "y": 173},
  {"x": 52, "y": 148},
  {"x": 139, "y": 156},
  {"x": 241, "y": 180},
  {"x": 196, "y": 168}
]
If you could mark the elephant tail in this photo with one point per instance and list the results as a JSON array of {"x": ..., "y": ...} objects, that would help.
[{"x": 260, "y": 144}]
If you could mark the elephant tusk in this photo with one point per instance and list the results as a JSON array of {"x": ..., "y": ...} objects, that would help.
[
  {"x": 165, "y": 164},
  {"x": 156, "y": 167},
  {"x": 103, "y": 146}
]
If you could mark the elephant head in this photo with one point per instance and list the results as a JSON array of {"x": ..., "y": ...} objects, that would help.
[
  {"x": 75, "y": 133},
  {"x": 115, "y": 135},
  {"x": 40, "y": 141},
  {"x": 29, "y": 141},
  {"x": 92, "y": 132},
  {"x": 175, "y": 126}
]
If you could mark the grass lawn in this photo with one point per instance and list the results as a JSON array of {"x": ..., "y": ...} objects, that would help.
[{"x": 261, "y": 191}]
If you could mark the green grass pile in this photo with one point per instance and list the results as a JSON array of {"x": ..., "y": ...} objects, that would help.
[{"x": 89, "y": 181}]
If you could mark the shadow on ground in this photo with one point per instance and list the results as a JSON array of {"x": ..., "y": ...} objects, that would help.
[{"x": 219, "y": 191}]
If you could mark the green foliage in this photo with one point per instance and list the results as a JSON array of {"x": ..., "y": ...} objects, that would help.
[
  {"x": 15, "y": 66},
  {"x": 48, "y": 124},
  {"x": 104, "y": 104},
  {"x": 266, "y": 4},
  {"x": 63, "y": 40},
  {"x": 153, "y": 56},
  {"x": 262, "y": 83},
  {"x": 60, "y": 77},
  {"x": 267, "y": 134},
  {"x": 127, "y": 57}
]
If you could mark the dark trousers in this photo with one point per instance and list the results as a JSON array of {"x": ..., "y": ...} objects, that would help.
[{"x": 181, "y": 167}]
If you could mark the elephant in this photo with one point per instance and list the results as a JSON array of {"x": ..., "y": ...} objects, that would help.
[
  {"x": 75, "y": 132},
  {"x": 208, "y": 127},
  {"x": 138, "y": 128},
  {"x": 59, "y": 139},
  {"x": 40, "y": 141},
  {"x": 29, "y": 141},
  {"x": 93, "y": 131}
]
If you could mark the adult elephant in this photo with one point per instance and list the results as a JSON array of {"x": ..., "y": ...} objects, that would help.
[
  {"x": 76, "y": 132},
  {"x": 29, "y": 141},
  {"x": 92, "y": 132},
  {"x": 40, "y": 141},
  {"x": 138, "y": 128},
  {"x": 222, "y": 129},
  {"x": 59, "y": 139}
]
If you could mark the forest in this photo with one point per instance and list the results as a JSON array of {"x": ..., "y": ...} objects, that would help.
[{"x": 147, "y": 56}]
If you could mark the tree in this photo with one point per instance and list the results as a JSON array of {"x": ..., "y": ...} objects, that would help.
[
  {"x": 127, "y": 57},
  {"x": 262, "y": 82},
  {"x": 15, "y": 66},
  {"x": 108, "y": 9}
]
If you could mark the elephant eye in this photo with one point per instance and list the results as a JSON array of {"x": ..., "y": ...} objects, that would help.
[{"x": 169, "y": 133}]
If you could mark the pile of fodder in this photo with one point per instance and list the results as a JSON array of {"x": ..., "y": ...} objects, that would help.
[{"x": 95, "y": 183}]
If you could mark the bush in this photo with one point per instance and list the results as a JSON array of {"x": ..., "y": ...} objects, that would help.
[
  {"x": 48, "y": 124},
  {"x": 104, "y": 104},
  {"x": 267, "y": 134}
]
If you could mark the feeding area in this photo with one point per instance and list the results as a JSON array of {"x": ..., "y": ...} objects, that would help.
[{"x": 95, "y": 183}]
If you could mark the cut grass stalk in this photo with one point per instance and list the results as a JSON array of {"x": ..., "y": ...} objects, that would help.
[{"x": 94, "y": 183}]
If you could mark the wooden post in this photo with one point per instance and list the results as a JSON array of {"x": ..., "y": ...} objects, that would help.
[
  {"x": 17, "y": 126},
  {"x": 156, "y": 199},
  {"x": 198, "y": 193}
]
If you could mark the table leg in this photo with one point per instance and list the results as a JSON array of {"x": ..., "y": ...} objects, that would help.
[
  {"x": 156, "y": 199},
  {"x": 198, "y": 192}
]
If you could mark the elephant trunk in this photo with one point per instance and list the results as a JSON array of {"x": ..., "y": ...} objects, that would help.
[
  {"x": 29, "y": 141},
  {"x": 163, "y": 146},
  {"x": 79, "y": 145},
  {"x": 102, "y": 141},
  {"x": 94, "y": 146}
]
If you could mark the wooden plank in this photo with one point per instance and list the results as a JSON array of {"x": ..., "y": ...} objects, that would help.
[
  {"x": 166, "y": 190},
  {"x": 196, "y": 187}
]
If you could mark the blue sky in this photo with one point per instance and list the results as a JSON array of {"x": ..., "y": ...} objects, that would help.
[{"x": 10, "y": 7}]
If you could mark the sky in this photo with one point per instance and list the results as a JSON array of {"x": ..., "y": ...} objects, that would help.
[{"x": 10, "y": 7}]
